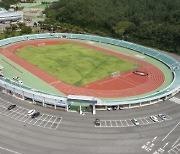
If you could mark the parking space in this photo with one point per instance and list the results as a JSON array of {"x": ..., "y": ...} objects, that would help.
[
  {"x": 128, "y": 122},
  {"x": 21, "y": 114}
]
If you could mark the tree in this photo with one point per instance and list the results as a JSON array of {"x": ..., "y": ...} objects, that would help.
[{"x": 124, "y": 27}]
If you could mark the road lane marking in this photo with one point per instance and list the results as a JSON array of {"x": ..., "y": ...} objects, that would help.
[
  {"x": 170, "y": 131},
  {"x": 175, "y": 142},
  {"x": 10, "y": 150}
]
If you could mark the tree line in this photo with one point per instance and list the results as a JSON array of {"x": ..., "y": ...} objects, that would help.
[
  {"x": 154, "y": 23},
  {"x": 6, "y": 3}
]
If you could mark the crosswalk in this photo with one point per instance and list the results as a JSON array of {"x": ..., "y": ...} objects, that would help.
[{"x": 175, "y": 99}]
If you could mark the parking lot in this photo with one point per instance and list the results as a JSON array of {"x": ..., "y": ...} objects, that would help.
[
  {"x": 128, "y": 122},
  {"x": 20, "y": 114}
]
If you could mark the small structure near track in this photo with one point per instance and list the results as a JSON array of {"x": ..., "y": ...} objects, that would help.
[
  {"x": 1, "y": 69},
  {"x": 116, "y": 74},
  {"x": 82, "y": 99}
]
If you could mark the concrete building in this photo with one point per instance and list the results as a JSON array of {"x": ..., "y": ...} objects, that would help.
[{"x": 8, "y": 17}]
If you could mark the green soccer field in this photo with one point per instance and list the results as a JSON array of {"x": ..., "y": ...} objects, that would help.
[{"x": 74, "y": 64}]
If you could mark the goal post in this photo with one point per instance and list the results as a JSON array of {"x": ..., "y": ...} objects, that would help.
[{"x": 115, "y": 74}]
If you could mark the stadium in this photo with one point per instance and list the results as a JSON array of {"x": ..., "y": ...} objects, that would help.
[{"x": 106, "y": 74}]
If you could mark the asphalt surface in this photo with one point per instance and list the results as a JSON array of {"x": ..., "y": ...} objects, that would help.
[{"x": 76, "y": 134}]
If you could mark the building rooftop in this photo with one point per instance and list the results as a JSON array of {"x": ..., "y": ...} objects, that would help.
[{"x": 2, "y": 10}]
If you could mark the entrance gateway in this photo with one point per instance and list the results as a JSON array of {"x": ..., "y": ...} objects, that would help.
[{"x": 87, "y": 101}]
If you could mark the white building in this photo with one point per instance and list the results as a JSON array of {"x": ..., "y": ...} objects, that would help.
[{"x": 8, "y": 17}]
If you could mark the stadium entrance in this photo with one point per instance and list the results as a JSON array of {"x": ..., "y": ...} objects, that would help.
[{"x": 81, "y": 104}]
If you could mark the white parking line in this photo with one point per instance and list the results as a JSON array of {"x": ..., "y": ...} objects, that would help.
[
  {"x": 5, "y": 104},
  {"x": 58, "y": 123},
  {"x": 105, "y": 123},
  {"x": 13, "y": 115},
  {"x": 3, "y": 110},
  {"x": 140, "y": 119},
  {"x": 110, "y": 123},
  {"x": 20, "y": 114},
  {"x": 131, "y": 124},
  {"x": 121, "y": 122},
  {"x": 48, "y": 121},
  {"x": 127, "y": 123},
  {"x": 174, "y": 150},
  {"x": 175, "y": 142},
  {"x": 12, "y": 111},
  {"x": 26, "y": 119},
  {"x": 9, "y": 150},
  {"x": 53, "y": 122},
  {"x": 31, "y": 120},
  {"x": 22, "y": 117},
  {"x": 169, "y": 118},
  {"x": 38, "y": 119},
  {"x": 42, "y": 120},
  {"x": 146, "y": 120},
  {"x": 116, "y": 123},
  {"x": 124, "y": 125}
]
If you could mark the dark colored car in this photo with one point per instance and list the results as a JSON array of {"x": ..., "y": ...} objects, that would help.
[
  {"x": 11, "y": 107},
  {"x": 97, "y": 122},
  {"x": 162, "y": 116},
  {"x": 36, "y": 114}
]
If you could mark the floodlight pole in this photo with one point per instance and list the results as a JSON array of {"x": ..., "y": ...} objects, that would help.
[
  {"x": 94, "y": 109},
  {"x": 80, "y": 109}
]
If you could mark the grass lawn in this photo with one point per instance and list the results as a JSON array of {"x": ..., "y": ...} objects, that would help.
[{"x": 74, "y": 64}]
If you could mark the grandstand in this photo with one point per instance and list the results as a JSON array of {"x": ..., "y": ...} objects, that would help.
[{"x": 98, "y": 103}]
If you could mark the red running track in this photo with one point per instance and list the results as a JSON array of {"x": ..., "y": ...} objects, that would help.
[{"x": 125, "y": 85}]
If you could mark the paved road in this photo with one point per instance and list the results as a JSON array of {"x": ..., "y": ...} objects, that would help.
[{"x": 76, "y": 134}]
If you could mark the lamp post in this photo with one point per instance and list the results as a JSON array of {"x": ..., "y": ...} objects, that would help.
[{"x": 52, "y": 28}]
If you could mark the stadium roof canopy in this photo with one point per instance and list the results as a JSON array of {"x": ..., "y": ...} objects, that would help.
[{"x": 80, "y": 98}]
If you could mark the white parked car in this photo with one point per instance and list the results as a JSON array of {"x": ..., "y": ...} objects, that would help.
[
  {"x": 109, "y": 108},
  {"x": 20, "y": 82},
  {"x": 154, "y": 118},
  {"x": 31, "y": 112}
]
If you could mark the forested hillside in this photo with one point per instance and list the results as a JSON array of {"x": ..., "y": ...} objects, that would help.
[
  {"x": 6, "y": 3},
  {"x": 154, "y": 23}
]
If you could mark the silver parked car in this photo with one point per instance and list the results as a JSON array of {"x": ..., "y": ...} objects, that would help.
[{"x": 135, "y": 122}]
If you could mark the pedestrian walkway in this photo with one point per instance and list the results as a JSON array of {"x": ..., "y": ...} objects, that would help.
[{"x": 175, "y": 99}]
